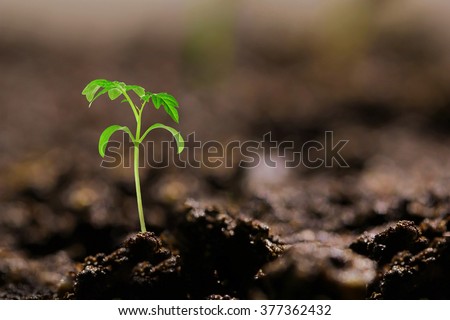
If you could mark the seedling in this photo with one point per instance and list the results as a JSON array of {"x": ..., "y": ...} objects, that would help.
[{"x": 115, "y": 89}]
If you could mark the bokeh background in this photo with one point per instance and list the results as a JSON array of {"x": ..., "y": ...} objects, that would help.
[{"x": 374, "y": 72}]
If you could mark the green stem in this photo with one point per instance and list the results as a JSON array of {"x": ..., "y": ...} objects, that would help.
[
  {"x": 133, "y": 107},
  {"x": 137, "y": 181},
  {"x": 138, "y": 187}
]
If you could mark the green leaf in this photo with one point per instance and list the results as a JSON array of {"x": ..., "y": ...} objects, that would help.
[
  {"x": 107, "y": 133},
  {"x": 103, "y": 91},
  {"x": 147, "y": 96},
  {"x": 172, "y": 112},
  {"x": 113, "y": 93},
  {"x": 178, "y": 138},
  {"x": 137, "y": 89},
  {"x": 156, "y": 101},
  {"x": 169, "y": 103},
  {"x": 90, "y": 91},
  {"x": 91, "y": 88},
  {"x": 119, "y": 85},
  {"x": 164, "y": 99}
]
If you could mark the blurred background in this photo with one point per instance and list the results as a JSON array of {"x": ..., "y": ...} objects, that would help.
[{"x": 374, "y": 72}]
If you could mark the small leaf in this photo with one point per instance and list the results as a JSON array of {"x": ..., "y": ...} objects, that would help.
[
  {"x": 91, "y": 89},
  {"x": 178, "y": 138},
  {"x": 169, "y": 102},
  {"x": 147, "y": 96},
  {"x": 172, "y": 112},
  {"x": 156, "y": 101},
  {"x": 98, "y": 95},
  {"x": 164, "y": 99},
  {"x": 107, "y": 133},
  {"x": 119, "y": 85},
  {"x": 114, "y": 93},
  {"x": 137, "y": 89}
]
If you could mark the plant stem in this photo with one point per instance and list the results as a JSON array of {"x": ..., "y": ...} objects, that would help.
[
  {"x": 136, "y": 167},
  {"x": 133, "y": 107},
  {"x": 138, "y": 187}
]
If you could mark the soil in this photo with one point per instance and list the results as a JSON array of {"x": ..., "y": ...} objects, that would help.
[{"x": 256, "y": 248}]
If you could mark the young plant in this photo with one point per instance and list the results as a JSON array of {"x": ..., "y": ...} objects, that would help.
[{"x": 115, "y": 89}]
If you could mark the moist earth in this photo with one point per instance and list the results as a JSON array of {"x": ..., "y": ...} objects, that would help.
[{"x": 259, "y": 247}]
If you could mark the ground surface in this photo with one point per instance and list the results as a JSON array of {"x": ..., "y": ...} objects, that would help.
[{"x": 380, "y": 230}]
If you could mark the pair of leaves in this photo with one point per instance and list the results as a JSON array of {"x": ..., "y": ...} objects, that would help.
[
  {"x": 115, "y": 89},
  {"x": 98, "y": 87},
  {"x": 108, "y": 132}
]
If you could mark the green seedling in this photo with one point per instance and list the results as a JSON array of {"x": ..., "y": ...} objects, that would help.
[{"x": 115, "y": 89}]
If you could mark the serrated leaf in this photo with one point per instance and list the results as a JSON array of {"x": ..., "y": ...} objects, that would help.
[
  {"x": 156, "y": 101},
  {"x": 169, "y": 100},
  {"x": 107, "y": 133},
  {"x": 113, "y": 93},
  {"x": 172, "y": 112},
  {"x": 164, "y": 99},
  {"x": 178, "y": 138}
]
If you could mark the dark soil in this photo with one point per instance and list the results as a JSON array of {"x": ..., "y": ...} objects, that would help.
[
  {"x": 222, "y": 253},
  {"x": 260, "y": 248}
]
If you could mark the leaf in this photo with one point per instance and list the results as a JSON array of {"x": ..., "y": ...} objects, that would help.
[
  {"x": 113, "y": 93},
  {"x": 164, "y": 99},
  {"x": 119, "y": 85},
  {"x": 90, "y": 91},
  {"x": 107, "y": 133},
  {"x": 173, "y": 113},
  {"x": 98, "y": 95},
  {"x": 156, "y": 101},
  {"x": 137, "y": 89},
  {"x": 169, "y": 102},
  {"x": 147, "y": 96},
  {"x": 178, "y": 138}
]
